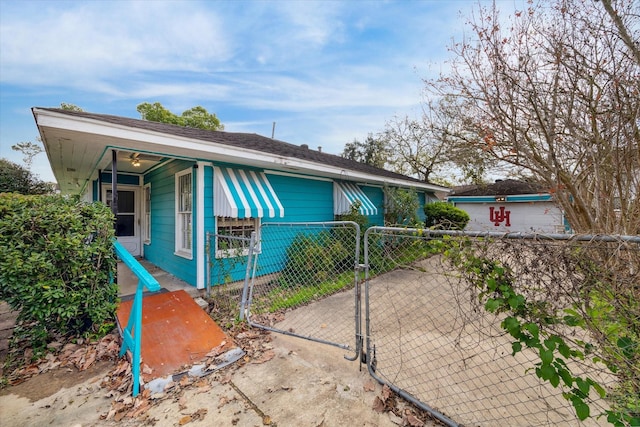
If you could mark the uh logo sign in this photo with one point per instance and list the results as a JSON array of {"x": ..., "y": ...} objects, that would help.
[{"x": 496, "y": 216}]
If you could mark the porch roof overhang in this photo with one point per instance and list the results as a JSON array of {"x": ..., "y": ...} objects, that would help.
[{"x": 79, "y": 145}]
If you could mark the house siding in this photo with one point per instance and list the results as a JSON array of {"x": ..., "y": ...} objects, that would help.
[
  {"x": 106, "y": 179},
  {"x": 209, "y": 217},
  {"x": 162, "y": 247},
  {"x": 422, "y": 200},
  {"x": 376, "y": 195},
  {"x": 304, "y": 200}
]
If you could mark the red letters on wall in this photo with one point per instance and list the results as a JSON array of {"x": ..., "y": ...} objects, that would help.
[{"x": 500, "y": 215}]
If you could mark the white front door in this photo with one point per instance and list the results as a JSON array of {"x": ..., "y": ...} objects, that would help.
[{"x": 128, "y": 219}]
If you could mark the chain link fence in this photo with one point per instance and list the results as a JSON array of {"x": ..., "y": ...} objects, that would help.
[
  {"x": 228, "y": 273},
  {"x": 432, "y": 338},
  {"x": 435, "y": 331},
  {"x": 298, "y": 264}
]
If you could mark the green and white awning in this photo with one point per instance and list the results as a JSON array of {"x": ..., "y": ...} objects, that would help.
[
  {"x": 347, "y": 193},
  {"x": 242, "y": 193}
]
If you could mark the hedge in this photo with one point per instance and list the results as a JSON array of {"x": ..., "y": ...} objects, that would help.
[
  {"x": 56, "y": 266},
  {"x": 446, "y": 216}
]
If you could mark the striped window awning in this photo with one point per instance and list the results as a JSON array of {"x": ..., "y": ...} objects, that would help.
[
  {"x": 345, "y": 194},
  {"x": 240, "y": 193}
]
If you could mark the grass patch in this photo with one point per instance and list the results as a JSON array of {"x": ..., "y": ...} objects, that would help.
[{"x": 283, "y": 298}]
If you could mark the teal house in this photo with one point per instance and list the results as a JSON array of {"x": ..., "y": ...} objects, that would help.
[{"x": 172, "y": 185}]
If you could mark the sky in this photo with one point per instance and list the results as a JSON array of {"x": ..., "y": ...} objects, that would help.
[{"x": 326, "y": 72}]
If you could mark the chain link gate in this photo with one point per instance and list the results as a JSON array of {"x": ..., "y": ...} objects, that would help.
[
  {"x": 431, "y": 340},
  {"x": 427, "y": 336},
  {"x": 305, "y": 283}
]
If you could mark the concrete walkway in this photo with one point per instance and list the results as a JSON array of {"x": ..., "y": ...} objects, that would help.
[
  {"x": 128, "y": 282},
  {"x": 300, "y": 383}
]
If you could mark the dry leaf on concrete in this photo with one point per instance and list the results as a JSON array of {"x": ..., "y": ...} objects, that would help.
[
  {"x": 413, "y": 421},
  {"x": 264, "y": 357},
  {"x": 369, "y": 385},
  {"x": 184, "y": 420},
  {"x": 378, "y": 405},
  {"x": 218, "y": 350}
]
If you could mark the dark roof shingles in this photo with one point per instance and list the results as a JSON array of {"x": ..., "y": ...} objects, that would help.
[
  {"x": 500, "y": 188},
  {"x": 245, "y": 140}
]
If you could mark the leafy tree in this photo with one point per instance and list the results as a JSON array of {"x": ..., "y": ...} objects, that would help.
[
  {"x": 17, "y": 179},
  {"x": 199, "y": 117},
  {"x": 70, "y": 107},
  {"x": 420, "y": 148},
  {"x": 401, "y": 207},
  {"x": 554, "y": 92},
  {"x": 157, "y": 113},
  {"x": 29, "y": 150},
  {"x": 373, "y": 151},
  {"x": 196, "y": 117}
]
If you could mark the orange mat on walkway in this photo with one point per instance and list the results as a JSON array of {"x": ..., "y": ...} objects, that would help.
[{"x": 176, "y": 332}]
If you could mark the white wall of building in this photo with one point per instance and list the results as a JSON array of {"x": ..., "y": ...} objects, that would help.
[{"x": 536, "y": 217}]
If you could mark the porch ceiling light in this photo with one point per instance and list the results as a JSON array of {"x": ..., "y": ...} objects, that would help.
[{"x": 135, "y": 162}]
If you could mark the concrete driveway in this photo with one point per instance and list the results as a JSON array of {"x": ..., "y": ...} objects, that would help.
[{"x": 294, "y": 382}]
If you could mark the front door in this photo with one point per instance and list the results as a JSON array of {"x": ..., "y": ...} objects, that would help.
[{"x": 128, "y": 219}]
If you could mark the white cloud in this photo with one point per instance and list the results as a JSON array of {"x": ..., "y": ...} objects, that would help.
[
  {"x": 94, "y": 40},
  {"x": 326, "y": 71}
]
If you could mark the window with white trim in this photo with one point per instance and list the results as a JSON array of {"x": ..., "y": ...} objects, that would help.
[
  {"x": 146, "y": 201},
  {"x": 184, "y": 213},
  {"x": 233, "y": 236}
]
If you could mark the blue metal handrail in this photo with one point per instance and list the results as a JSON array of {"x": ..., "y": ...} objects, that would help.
[{"x": 132, "y": 340}]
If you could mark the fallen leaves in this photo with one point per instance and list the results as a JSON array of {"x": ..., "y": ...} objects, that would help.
[
  {"x": 118, "y": 382},
  {"x": 80, "y": 355},
  {"x": 369, "y": 385},
  {"x": 268, "y": 319},
  {"x": 264, "y": 357},
  {"x": 256, "y": 345},
  {"x": 196, "y": 416},
  {"x": 403, "y": 412}
]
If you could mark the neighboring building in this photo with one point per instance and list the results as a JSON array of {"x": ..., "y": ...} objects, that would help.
[
  {"x": 509, "y": 206},
  {"x": 175, "y": 184}
]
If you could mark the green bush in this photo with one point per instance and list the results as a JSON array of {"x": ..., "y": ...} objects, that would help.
[
  {"x": 446, "y": 216},
  {"x": 354, "y": 215},
  {"x": 56, "y": 265},
  {"x": 313, "y": 258},
  {"x": 401, "y": 207}
]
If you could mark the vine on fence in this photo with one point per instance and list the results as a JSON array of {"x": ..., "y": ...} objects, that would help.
[{"x": 549, "y": 294}]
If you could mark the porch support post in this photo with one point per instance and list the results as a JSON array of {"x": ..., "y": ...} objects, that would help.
[
  {"x": 114, "y": 183},
  {"x": 200, "y": 231},
  {"x": 114, "y": 195},
  {"x": 99, "y": 186}
]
